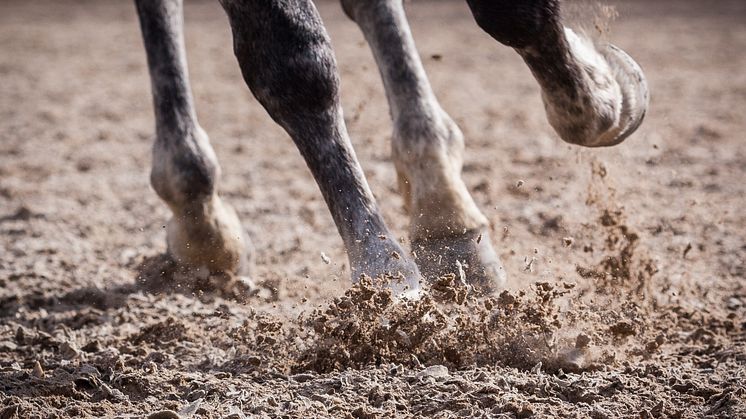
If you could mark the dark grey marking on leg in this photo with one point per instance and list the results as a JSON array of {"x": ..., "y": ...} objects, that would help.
[{"x": 517, "y": 24}]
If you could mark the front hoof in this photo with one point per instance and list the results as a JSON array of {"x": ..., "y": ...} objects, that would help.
[{"x": 469, "y": 254}]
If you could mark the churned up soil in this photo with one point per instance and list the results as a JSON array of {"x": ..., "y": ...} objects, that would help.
[{"x": 627, "y": 294}]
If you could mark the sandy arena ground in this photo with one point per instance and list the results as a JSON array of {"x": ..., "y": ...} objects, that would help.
[{"x": 627, "y": 296}]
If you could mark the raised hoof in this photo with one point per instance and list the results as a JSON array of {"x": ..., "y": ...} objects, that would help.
[
  {"x": 470, "y": 254},
  {"x": 618, "y": 79},
  {"x": 210, "y": 238},
  {"x": 634, "y": 89}
]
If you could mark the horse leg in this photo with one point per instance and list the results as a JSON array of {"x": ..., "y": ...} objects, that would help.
[
  {"x": 447, "y": 230},
  {"x": 287, "y": 61}
]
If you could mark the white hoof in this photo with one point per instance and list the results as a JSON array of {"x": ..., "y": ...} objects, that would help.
[{"x": 209, "y": 236}]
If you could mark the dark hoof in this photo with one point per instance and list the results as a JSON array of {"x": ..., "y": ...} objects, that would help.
[
  {"x": 470, "y": 253},
  {"x": 384, "y": 261}
]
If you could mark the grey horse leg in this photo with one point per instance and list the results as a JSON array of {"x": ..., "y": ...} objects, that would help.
[
  {"x": 204, "y": 232},
  {"x": 447, "y": 230},
  {"x": 595, "y": 95},
  {"x": 287, "y": 61}
]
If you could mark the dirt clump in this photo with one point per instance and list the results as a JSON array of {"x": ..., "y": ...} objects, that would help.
[{"x": 449, "y": 325}]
